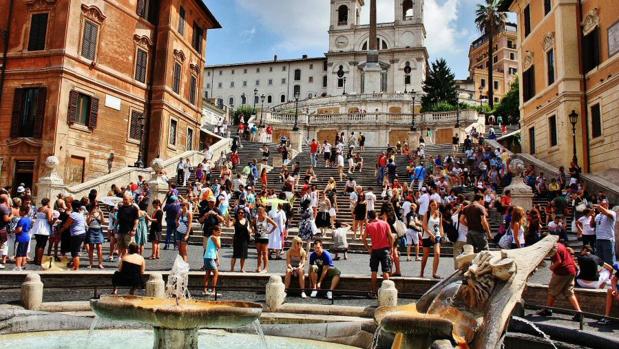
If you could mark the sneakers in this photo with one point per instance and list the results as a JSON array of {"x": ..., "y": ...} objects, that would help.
[
  {"x": 303, "y": 295},
  {"x": 329, "y": 295},
  {"x": 603, "y": 321},
  {"x": 314, "y": 294},
  {"x": 544, "y": 312}
]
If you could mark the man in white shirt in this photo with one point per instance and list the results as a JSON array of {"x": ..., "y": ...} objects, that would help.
[
  {"x": 406, "y": 206},
  {"x": 424, "y": 202},
  {"x": 605, "y": 232},
  {"x": 370, "y": 199},
  {"x": 435, "y": 196}
]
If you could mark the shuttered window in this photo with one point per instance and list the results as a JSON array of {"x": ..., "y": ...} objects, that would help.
[
  {"x": 181, "y": 20},
  {"x": 552, "y": 130},
  {"x": 591, "y": 50},
  {"x": 528, "y": 83},
  {"x": 596, "y": 121},
  {"x": 83, "y": 109},
  {"x": 173, "y": 130},
  {"x": 176, "y": 79},
  {"x": 141, "y": 8},
  {"x": 135, "y": 125},
  {"x": 38, "y": 32},
  {"x": 192, "y": 89},
  {"x": 28, "y": 112},
  {"x": 197, "y": 38},
  {"x": 140, "y": 65},
  {"x": 189, "y": 139},
  {"x": 89, "y": 40}
]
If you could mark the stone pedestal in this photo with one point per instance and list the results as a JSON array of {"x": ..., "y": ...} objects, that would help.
[
  {"x": 50, "y": 185},
  {"x": 522, "y": 194},
  {"x": 275, "y": 293},
  {"x": 155, "y": 287},
  {"x": 157, "y": 185},
  {"x": 372, "y": 78},
  {"x": 178, "y": 339},
  {"x": 387, "y": 294},
  {"x": 32, "y": 292}
]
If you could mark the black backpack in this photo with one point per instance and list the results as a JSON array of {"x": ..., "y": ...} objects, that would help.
[{"x": 450, "y": 230}]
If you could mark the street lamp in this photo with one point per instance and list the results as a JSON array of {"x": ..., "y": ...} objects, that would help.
[
  {"x": 458, "y": 114},
  {"x": 573, "y": 120},
  {"x": 296, "y": 112},
  {"x": 261, "y": 107},
  {"x": 407, "y": 71},
  {"x": 255, "y": 98},
  {"x": 243, "y": 99},
  {"x": 139, "y": 163},
  {"x": 413, "y": 128},
  {"x": 344, "y": 86}
]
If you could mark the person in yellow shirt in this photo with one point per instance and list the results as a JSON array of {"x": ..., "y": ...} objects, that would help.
[{"x": 554, "y": 188}]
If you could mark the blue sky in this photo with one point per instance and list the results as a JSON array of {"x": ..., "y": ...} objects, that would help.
[{"x": 258, "y": 29}]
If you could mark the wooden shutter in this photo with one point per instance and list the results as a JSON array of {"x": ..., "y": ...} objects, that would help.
[
  {"x": 141, "y": 8},
  {"x": 39, "y": 118},
  {"x": 134, "y": 125},
  {"x": 89, "y": 40},
  {"x": 94, "y": 111},
  {"x": 72, "y": 113},
  {"x": 18, "y": 104},
  {"x": 140, "y": 65}
]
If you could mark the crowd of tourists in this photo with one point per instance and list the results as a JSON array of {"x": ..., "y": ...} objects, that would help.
[{"x": 434, "y": 200}]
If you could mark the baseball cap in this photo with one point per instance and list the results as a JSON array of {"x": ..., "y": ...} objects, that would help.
[
  {"x": 21, "y": 189},
  {"x": 424, "y": 189}
]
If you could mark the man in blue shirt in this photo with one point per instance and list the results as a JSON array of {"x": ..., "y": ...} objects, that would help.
[
  {"x": 171, "y": 209},
  {"x": 321, "y": 269},
  {"x": 420, "y": 175}
]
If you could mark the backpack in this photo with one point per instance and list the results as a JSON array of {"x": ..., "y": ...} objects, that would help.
[
  {"x": 400, "y": 228},
  {"x": 451, "y": 231},
  {"x": 505, "y": 242}
]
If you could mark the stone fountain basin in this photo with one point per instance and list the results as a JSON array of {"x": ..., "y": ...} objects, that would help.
[
  {"x": 165, "y": 313},
  {"x": 406, "y": 319}
]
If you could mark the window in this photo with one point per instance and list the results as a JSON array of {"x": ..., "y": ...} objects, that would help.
[
  {"x": 257, "y": 70},
  {"x": 483, "y": 82},
  {"x": 245, "y": 83},
  {"x": 283, "y": 81},
  {"x": 28, "y": 112},
  {"x": 547, "y": 6},
  {"x": 221, "y": 72},
  {"x": 181, "y": 20},
  {"x": 269, "y": 99},
  {"x": 270, "y": 82},
  {"x": 342, "y": 15},
  {"x": 512, "y": 71},
  {"x": 596, "y": 121},
  {"x": 193, "y": 89},
  {"x": 297, "y": 90},
  {"x": 231, "y": 83},
  {"x": 532, "y": 140},
  {"x": 208, "y": 85},
  {"x": 496, "y": 85},
  {"x": 197, "y": 38},
  {"x": 512, "y": 56},
  {"x": 173, "y": 130},
  {"x": 89, "y": 40},
  {"x": 324, "y": 81},
  {"x": 135, "y": 125},
  {"x": 243, "y": 99},
  {"x": 527, "y": 21},
  {"x": 495, "y": 59},
  {"x": 141, "y": 59},
  {"x": 407, "y": 9},
  {"x": 219, "y": 85},
  {"x": 340, "y": 82},
  {"x": 282, "y": 99},
  {"x": 38, "y": 31},
  {"x": 310, "y": 79},
  {"x": 208, "y": 73},
  {"x": 270, "y": 69},
  {"x": 256, "y": 99},
  {"x": 83, "y": 109},
  {"x": 297, "y": 74},
  {"x": 257, "y": 82},
  {"x": 232, "y": 72},
  {"x": 324, "y": 66},
  {"x": 510, "y": 44},
  {"x": 407, "y": 79},
  {"x": 176, "y": 78},
  {"x": 244, "y": 71},
  {"x": 528, "y": 83},
  {"x": 231, "y": 101},
  {"x": 284, "y": 68},
  {"x": 552, "y": 129},
  {"x": 591, "y": 50},
  {"x": 189, "y": 139},
  {"x": 550, "y": 66},
  {"x": 311, "y": 66}
]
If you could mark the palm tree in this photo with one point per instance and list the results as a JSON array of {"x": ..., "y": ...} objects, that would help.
[{"x": 488, "y": 20}]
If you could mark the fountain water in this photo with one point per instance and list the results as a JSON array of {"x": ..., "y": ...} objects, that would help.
[
  {"x": 176, "y": 319},
  {"x": 537, "y": 330}
]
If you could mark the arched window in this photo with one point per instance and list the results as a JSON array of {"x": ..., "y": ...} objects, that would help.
[
  {"x": 231, "y": 101},
  {"x": 243, "y": 99},
  {"x": 269, "y": 99},
  {"x": 380, "y": 44},
  {"x": 297, "y": 74},
  {"x": 407, "y": 9},
  {"x": 342, "y": 15},
  {"x": 282, "y": 99}
]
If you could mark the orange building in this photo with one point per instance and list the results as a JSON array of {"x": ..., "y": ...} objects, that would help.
[
  {"x": 569, "y": 62},
  {"x": 505, "y": 63},
  {"x": 100, "y": 84}
]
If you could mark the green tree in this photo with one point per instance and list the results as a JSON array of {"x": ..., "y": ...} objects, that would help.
[
  {"x": 509, "y": 107},
  {"x": 439, "y": 87},
  {"x": 489, "y": 20},
  {"x": 245, "y": 110}
]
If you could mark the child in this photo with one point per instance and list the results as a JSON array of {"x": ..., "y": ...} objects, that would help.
[
  {"x": 211, "y": 261},
  {"x": 22, "y": 233},
  {"x": 156, "y": 228}
]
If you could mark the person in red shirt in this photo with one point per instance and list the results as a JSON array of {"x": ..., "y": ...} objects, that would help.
[
  {"x": 235, "y": 159},
  {"x": 562, "y": 281},
  {"x": 381, "y": 167},
  {"x": 314, "y": 152},
  {"x": 380, "y": 252}
]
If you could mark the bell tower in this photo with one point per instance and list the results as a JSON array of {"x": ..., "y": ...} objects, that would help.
[
  {"x": 408, "y": 11},
  {"x": 345, "y": 13}
]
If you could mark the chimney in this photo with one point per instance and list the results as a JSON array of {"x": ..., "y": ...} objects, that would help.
[
  {"x": 304, "y": 56},
  {"x": 274, "y": 58}
]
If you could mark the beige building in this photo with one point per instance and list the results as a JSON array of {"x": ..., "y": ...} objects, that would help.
[
  {"x": 569, "y": 63},
  {"x": 505, "y": 63}
]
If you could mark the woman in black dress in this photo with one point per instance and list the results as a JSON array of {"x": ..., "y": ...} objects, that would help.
[
  {"x": 130, "y": 271},
  {"x": 360, "y": 215},
  {"x": 240, "y": 240}
]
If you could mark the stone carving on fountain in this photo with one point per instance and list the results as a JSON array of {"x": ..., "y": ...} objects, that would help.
[
  {"x": 522, "y": 194},
  {"x": 470, "y": 308}
]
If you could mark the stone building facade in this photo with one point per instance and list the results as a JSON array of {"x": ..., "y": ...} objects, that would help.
[
  {"x": 569, "y": 63},
  {"x": 402, "y": 58},
  {"x": 98, "y": 83},
  {"x": 505, "y": 63}
]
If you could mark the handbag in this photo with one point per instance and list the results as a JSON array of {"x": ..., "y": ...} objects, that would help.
[
  {"x": 400, "y": 228},
  {"x": 505, "y": 242}
]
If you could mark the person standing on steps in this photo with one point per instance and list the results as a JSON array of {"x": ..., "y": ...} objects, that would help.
[
  {"x": 314, "y": 147},
  {"x": 180, "y": 172},
  {"x": 381, "y": 168},
  {"x": 605, "y": 232},
  {"x": 432, "y": 237},
  {"x": 476, "y": 219},
  {"x": 382, "y": 240},
  {"x": 262, "y": 233},
  {"x": 326, "y": 151},
  {"x": 171, "y": 210},
  {"x": 128, "y": 214}
]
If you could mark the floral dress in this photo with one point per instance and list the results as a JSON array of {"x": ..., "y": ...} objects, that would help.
[
  {"x": 306, "y": 225},
  {"x": 141, "y": 234}
]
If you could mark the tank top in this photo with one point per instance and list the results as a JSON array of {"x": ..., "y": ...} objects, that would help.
[
  {"x": 95, "y": 224},
  {"x": 520, "y": 236},
  {"x": 295, "y": 261},
  {"x": 434, "y": 224},
  {"x": 211, "y": 249},
  {"x": 41, "y": 225},
  {"x": 262, "y": 231}
]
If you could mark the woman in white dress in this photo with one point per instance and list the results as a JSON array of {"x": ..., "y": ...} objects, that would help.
[
  {"x": 42, "y": 229},
  {"x": 277, "y": 237}
]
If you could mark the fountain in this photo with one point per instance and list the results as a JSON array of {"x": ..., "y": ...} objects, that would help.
[
  {"x": 177, "y": 318},
  {"x": 470, "y": 308}
]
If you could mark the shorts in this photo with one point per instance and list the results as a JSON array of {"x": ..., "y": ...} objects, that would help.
[
  {"x": 381, "y": 257},
  {"x": 478, "y": 240},
  {"x": 429, "y": 243},
  {"x": 210, "y": 264},
  {"x": 41, "y": 240},
  {"x": 22, "y": 249},
  {"x": 412, "y": 237},
  {"x": 76, "y": 244},
  {"x": 561, "y": 284},
  {"x": 326, "y": 156},
  {"x": 331, "y": 273},
  {"x": 262, "y": 240},
  {"x": 123, "y": 241},
  {"x": 180, "y": 237}
]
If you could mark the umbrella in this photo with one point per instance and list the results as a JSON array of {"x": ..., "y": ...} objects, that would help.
[
  {"x": 275, "y": 202},
  {"x": 111, "y": 200}
]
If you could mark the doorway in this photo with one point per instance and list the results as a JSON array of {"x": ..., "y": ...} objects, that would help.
[{"x": 24, "y": 173}]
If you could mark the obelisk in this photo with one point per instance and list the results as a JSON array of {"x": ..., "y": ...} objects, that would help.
[{"x": 372, "y": 70}]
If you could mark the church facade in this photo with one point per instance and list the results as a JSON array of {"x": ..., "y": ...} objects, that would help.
[{"x": 402, "y": 58}]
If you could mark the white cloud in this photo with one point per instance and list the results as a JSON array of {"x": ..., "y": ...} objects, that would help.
[
  {"x": 441, "y": 27},
  {"x": 247, "y": 35}
]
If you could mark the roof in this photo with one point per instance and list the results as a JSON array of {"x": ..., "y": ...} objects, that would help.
[
  {"x": 505, "y": 4},
  {"x": 209, "y": 14},
  {"x": 273, "y": 61}
]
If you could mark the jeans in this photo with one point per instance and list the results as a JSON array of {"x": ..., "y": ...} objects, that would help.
[
  {"x": 605, "y": 249},
  {"x": 313, "y": 159},
  {"x": 478, "y": 240},
  {"x": 170, "y": 234},
  {"x": 381, "y": 176}
]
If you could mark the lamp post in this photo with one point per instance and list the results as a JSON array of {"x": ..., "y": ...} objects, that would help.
[
  {"x": 413, "y": 128},
  {"x": 296, "y": 112},
  {"x": 458, "y": 114},
  {"x": 255, "y": 98},
  {"x": 261, "y": 107},
  {"x": 344, "y": 86},
  {"x": 407, "y": 71},
  {"x": 243, "y": 99},
  {"x": 140, "y": 163},
  {"x": 573, "y": 120}
]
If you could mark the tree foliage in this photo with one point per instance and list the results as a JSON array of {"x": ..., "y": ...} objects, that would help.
[
  {"x": 246, "y": 111},
  {"x": 439, "y": 87},
  {"x": 509, "y": 107}
]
